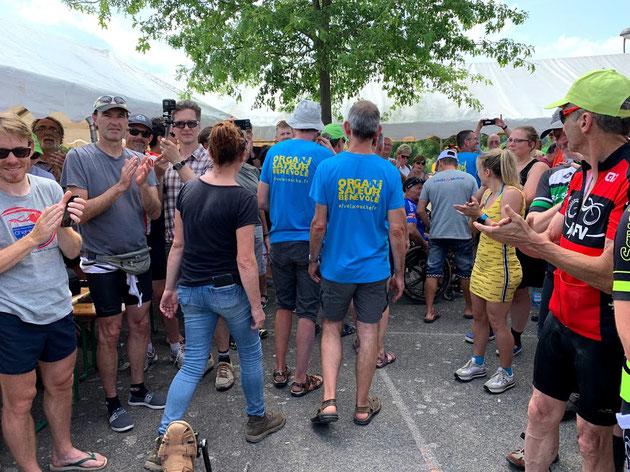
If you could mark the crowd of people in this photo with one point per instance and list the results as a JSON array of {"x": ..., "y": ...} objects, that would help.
[{"x": 193, "y": 219}]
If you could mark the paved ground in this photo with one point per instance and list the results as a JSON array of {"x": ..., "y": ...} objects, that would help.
[{"x": 429, "y": 421}]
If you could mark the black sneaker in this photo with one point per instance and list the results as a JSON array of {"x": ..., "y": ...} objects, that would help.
[
  {"x": 259, "y": 427},
  {"x": 120, "y": 421},
  {"x": 152, "y": 400}
]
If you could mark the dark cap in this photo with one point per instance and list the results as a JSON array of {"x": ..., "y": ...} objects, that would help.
[
  {"x": 140, "y": 120},
  {"x": 410, "y": 182}
]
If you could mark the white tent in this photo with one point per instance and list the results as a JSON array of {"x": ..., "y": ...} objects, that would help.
[
  {"x": 516, "y": 93},
  {"x": 50, "y": 73}
]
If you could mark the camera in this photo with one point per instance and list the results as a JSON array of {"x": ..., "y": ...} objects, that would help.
[
  {"x": 488, "y": 122},
  {"x": 168, "y": 106},
  {"x": 243, "y": 124}
]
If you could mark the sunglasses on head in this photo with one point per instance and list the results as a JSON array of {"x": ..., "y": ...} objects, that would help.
[
  {"x": 182, "y": 124},
  {"x": 110, "y": 98},
  {"x": 20, "y": 152},
  {"x": 135, "y": 132}
]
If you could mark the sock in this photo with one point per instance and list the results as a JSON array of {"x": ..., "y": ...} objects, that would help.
[
  {"x": 508, "y": 370},
  {"x": 224, "y": 357},
  {"x": 479, "y": 360},
  {"x": 138, "y": 390},
  {"x": 150, "y": 348},
  {"x": 113, "y": 404},
  {"x": 517, "y": 337},
  {"x": 175, "y": 347}
]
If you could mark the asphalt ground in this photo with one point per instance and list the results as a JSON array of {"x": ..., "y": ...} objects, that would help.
[{"x": 429, "y": 421}]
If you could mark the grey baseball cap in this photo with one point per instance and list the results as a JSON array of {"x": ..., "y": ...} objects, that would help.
[
  {"x": 107, "y": 102},
  {"x": 140, "y": 120}
]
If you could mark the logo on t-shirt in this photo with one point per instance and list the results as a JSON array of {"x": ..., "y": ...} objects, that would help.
[
  {"x": 291, "y": 165},
  {"x": 22, "y": 221},
  {"x": 586, "y": 225},
  {"x": 360, "y": 190}
]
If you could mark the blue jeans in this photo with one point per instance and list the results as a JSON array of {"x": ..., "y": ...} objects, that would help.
[{"x": 202, "y": 307}]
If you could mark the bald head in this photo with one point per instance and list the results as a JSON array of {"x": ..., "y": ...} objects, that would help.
[{"x": 493, "y": 141}]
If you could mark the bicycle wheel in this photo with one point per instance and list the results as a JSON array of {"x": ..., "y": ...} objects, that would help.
[
  {"x": 415, "y": 271},
  {"x": 444, "y": 288}
]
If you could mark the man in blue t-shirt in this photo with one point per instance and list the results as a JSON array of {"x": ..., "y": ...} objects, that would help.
[
  {"x": 415, "y": 227},
  {"x": 359, "y": 202},
  {"x": 468, "y": 144},
  {"x": 285, "y": 183}
]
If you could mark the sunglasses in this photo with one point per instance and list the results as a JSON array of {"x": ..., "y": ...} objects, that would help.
[
  {"x": 182, "y": 124},
  {"x": 517, "y": 140},
  {"x": 20, "y": 152},
  {"x": 110, "y": 98},
  {"x": 567, "y": 112},
  {"x": 403, "y": 156},
  {"x": 420, "y": 162},
  {"x": 136, "y": 132}
]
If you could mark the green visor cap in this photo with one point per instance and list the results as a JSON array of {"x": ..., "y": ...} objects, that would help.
[
  {"x": 36, "y": 147},
  {"x": 335, "y": 131},
  {"x": 600, "y": 91}
]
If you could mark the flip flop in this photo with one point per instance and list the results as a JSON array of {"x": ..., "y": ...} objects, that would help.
[
  {"x": 388, "y": 358},
  {"x": 371, "y": 409},
  {"x": 325, "y": 418},
  {"x": 431, "y": 320},
  {"x": 78, "y": 465}
]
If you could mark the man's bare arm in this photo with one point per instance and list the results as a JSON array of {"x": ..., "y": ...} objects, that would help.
[{"x": 263, "y": 196}]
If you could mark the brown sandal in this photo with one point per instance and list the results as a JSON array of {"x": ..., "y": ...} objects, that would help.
[
  {"x": 373, "y": 407},
  {"x": 178, "y": 450},
  {"x": 280, "y": 379},
  {"x": 313, "y": 382},
  {"x": 325, "y": 418}
]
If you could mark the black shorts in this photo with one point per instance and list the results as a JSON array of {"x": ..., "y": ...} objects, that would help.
[
  {"x": 109, "y": 291},
  {"x": 533, "y": 270},
  {"x": 568, "y": 362},
  {"x": 156, "y": 242},
  {"x": 23, "y": 344},
  {"x": 370, "y": 300},
  {"x": 295, "y": 290}
]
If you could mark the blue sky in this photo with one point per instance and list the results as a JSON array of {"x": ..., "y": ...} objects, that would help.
[{"x": 557, "y": 28}]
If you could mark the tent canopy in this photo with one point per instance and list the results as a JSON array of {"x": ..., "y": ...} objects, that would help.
[
  {"x": 515, "y": 93},
  {"x": 56, "y": 74}
]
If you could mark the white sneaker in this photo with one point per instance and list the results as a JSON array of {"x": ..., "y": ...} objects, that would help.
[
  {"x": 470, "y": 371},
  {"x": 178, "y": 356},
  {"x": 500, "y": 381},
  {"x": 151, "y": 358}
]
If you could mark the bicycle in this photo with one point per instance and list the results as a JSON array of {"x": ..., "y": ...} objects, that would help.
[{"x": 415, "y": 276}]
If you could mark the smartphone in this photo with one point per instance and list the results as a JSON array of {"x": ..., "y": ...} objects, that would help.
[
  {"x": 488, "y": 122},
  {"x": 243, "y": 124},
  {"x": 66, "y": 220}
]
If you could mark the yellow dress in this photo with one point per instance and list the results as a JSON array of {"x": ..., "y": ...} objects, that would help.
[{"x": 497, "y": 271}]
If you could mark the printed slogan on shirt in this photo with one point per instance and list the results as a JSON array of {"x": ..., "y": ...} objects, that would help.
[
  {"x": 291, "y": 168},
  {"x": 359, "y": 193}
]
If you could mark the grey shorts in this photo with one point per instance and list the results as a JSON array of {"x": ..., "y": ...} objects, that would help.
[
  {"x": 259, "y": 242},
  {"x": 370, "y": 300},
  {"x": 295, "y": 290}
]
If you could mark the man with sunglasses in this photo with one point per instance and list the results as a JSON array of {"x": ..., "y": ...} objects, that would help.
[
  {"x": 120, "y": 188},
  {"x": 579, "y": 346},
  {"x": 36, "y": 321},
  {"x": 139, "y": 133}
]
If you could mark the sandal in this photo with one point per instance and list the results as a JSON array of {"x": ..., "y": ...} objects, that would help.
[
  {"x": 431, "y": 320},
  {"x": 280, "y": 379},
  {"x": 178, "y": 450},
  {"x": 325, "y": 418},
  {"x": 78, "y": 465},
  {"x": 372, "y": 409},
  {"x": 313, "y": 382},
  {"x": 347, "y": 330},
  {"x": 386, "y": 359}
]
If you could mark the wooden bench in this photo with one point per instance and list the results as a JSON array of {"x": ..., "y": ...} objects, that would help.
[{"x": 85, "y": 319}]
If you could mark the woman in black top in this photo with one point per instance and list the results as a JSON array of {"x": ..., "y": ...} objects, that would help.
[{"x": 214, "y": 249}]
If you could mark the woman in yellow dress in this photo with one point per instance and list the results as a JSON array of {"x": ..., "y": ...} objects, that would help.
[{"x": 496, "y": 272}]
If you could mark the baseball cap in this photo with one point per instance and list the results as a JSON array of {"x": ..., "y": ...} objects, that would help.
[
  {"x": 452, "y": 153},
  {"x": 600, "y": 91},
  {"x": 555, "y": 124},
  {"x": 335, "y": 131},
  {"x": 107, "y": 102},
  {"x": 410, "y": 182},
  {"x": 308, "y": 115},
  {"x": 141, "y": 120}
]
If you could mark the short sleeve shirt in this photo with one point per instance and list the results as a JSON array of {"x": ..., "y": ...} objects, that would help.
[
  {"x": 288, "y": 170},
  {"x": 467, "y": 162},
  {"x": 411, "y": 210},
  {"x": 119, "y": 229},
  {"x": 358, "y": 191}
]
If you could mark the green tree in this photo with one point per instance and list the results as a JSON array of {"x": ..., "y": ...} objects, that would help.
[{"x": 325, "y": 49}]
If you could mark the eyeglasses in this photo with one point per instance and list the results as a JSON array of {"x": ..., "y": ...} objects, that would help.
[
  {"x": 108, "y": 99},
  {"x": 403, "y": 156},
  {"x": 182, "y": 124},
  {"x": 517, "y": 140},
  {"x": 567, "y": 112},
  {"x": 136, "y": 132},
  {"x": 52, "y": 129},
  {"x": 20, "y": 152}
]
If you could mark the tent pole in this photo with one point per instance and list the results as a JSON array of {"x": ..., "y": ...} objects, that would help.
[{"x": 93, "y": 134}]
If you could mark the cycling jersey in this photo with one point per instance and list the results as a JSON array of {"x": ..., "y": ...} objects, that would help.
[
  {"x": 588, "y": 223},
  {"x": 411, "y": 209}
]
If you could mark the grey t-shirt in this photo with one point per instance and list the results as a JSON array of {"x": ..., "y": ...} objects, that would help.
[
  {"x": 442, "y": 191},
  {"x": 248, "y": 177},
  {"x": 36, "y": 288},
  {"x": 120, "y": 228}
]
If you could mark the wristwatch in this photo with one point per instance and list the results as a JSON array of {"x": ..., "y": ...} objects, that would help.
[
  {"x": 482, "y": 219},
  {"x": 314, "y": 261},
  {"x": 179, "y": 165},
  {"x": 503, "y": 127}
]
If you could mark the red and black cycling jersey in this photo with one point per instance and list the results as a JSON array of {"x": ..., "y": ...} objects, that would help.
[{"x": 588, "y": 223}]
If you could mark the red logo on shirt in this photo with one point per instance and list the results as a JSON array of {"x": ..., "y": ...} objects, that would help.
[{"x": 22, "y": 221}]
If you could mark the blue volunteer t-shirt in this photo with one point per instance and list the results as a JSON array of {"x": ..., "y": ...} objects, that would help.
[
  {"x": 467, "y": 162},
  {"x": 288, "y": 170},
  {"x": 358, "y": 190},
  {"x": 411, "y": 210}
]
